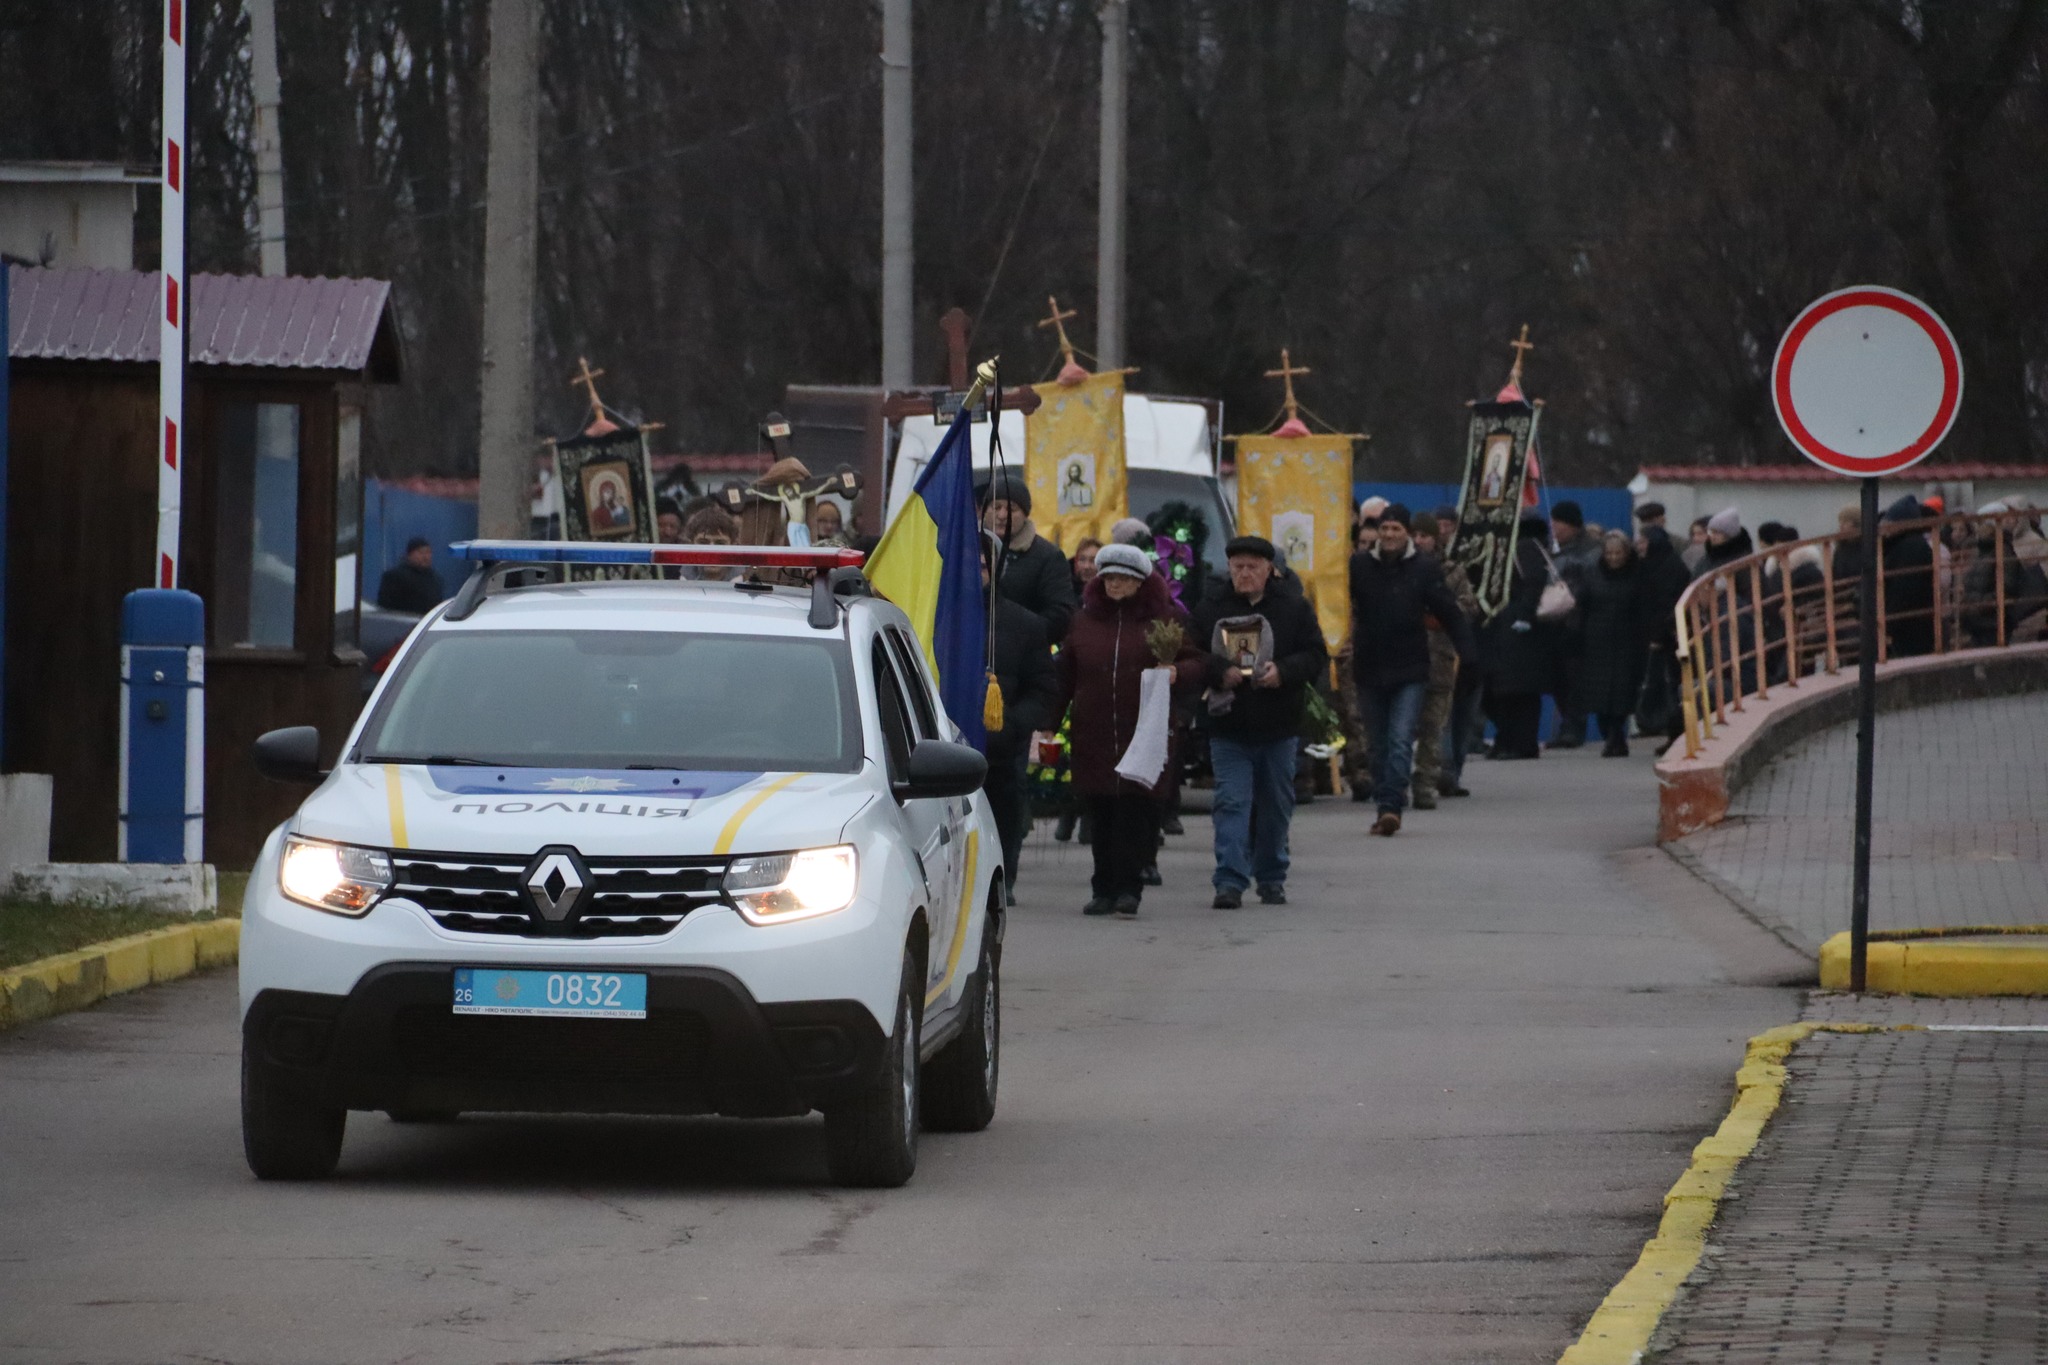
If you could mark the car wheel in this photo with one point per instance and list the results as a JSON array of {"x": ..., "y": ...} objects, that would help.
[
  {"x": 872, "y": 1142},
  {"x": 960, "y": 1083},
  {"x": 283, "y": 1136}
]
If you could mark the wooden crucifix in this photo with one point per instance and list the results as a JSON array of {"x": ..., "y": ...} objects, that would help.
[
  {"x": 957, "y": 327},
  {"x": 1522, "y": 346},
  {"x": 1285, "y": 374}
]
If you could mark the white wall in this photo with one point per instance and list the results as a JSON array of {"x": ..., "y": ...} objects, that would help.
[{"x": 80, "y": 223}]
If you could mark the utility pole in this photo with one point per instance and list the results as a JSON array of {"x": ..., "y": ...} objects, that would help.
[
  {"x": 263, "y": 84},
  {"x": 1109, "y": 240},
  {"x": 897, "y": 181},
  {"x": 505, "y": 448}
]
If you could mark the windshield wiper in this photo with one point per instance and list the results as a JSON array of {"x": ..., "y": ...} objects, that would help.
[
  {"x": 438, "y": 761},
  {"x": 655, "y": 768}
]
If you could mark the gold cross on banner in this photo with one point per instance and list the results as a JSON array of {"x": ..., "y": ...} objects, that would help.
[
  {"x": 1285, "y": 374},
  {"x": 1058, "y": 322},
  {"x": 1522, "y": 347},
  {"x": 587, "y": 378}
]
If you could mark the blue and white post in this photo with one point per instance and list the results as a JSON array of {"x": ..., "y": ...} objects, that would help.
[{"x": 163, "y": 727}]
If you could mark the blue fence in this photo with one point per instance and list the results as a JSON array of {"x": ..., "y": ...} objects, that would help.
[
  {"x": 394, "y": 515},
  {"x": 1612, "y": 508}
]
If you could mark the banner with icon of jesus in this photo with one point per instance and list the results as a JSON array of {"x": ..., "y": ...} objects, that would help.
[
  {"x": 1296, "y": 492},
  {"x": 1074, "y": 459}
]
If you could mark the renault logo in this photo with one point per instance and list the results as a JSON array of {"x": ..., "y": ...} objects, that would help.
[{"x": 555, "y": 880}]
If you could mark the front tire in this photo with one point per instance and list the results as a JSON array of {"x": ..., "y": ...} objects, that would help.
[
  {"x": 872, "y": 1142},
  {"x": 960, "y": 1084},
  {"x": 284, "y": 1137}
]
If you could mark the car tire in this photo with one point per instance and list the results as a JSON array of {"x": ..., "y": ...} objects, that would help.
[
  {"x": 960, "y": 1083},
  {"x": 872, "y": 1142},
  {"x": 283, "y": 1136}
]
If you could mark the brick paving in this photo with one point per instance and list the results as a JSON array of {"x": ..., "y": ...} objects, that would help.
[
  {"x": 1896, "y": 1210},
  {"x": 1959, "y": 824}
]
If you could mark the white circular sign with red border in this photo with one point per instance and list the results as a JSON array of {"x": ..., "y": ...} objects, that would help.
[{"x": 1867, "y": 381}]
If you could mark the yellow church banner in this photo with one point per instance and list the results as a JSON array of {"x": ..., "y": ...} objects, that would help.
[
  {"x": 1074, "y": 459},
  {"x": 1296, "y": 492}
]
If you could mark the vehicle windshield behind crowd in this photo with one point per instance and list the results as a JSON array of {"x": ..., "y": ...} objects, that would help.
[{"x": 620, "y": 699}]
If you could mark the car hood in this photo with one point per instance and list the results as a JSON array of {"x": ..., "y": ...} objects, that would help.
[{"x": 628, "y": 814}]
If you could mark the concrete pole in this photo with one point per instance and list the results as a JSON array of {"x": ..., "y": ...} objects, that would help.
[
  {"x": 1109, "y": 241},
  {"x": 897, "y": 180},
  {"x": 506, "y": 445},
  {"x": 263, "y": 84}
]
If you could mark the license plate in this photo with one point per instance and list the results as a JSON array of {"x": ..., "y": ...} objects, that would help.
[{"x": 580, "y": 995}]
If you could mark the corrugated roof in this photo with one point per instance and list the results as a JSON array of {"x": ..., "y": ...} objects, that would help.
[
  {"x": 279, "y": 321},
  {"x": 1813, "y": 473}
]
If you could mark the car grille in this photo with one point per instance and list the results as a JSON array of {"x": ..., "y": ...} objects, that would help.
[
  {"x": 668, "y": 1045},
  {"x": 628, "y": 897}
]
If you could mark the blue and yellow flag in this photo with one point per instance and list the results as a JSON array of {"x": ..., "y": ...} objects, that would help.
[{"x": 929, "y": 564}]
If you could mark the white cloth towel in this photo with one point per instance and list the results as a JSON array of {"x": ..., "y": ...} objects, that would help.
[{"x": 1144, "y": 760}]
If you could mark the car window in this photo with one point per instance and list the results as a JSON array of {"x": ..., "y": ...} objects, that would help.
[
  {"x": 1148, "y": 491},
  {"x": 912, "y": 678},
  {"x": 620, "y": 699},
  {"x": 895, "y": 716}
]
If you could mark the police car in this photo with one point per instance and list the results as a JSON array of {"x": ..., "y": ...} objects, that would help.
[{"x": 647, "y": 847}]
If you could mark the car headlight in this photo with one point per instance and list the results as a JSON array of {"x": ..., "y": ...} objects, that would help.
[
  {"x": 338, "y": 877},
  {"x": 777, "y": 887}
]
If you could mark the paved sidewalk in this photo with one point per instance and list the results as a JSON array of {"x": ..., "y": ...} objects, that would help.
[
  {"x": 1959, "y": 834},
  {"x": 1896, "y": 1209}
]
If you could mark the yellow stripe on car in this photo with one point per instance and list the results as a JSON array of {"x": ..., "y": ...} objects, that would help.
[
  {"x": 754, "y": 803},
  {"x": 960, "y": 921},
  {"x": 394, "y": 797}
]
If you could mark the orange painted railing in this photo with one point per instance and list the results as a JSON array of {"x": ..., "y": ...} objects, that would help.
[{"x": 1742, "y": 633}]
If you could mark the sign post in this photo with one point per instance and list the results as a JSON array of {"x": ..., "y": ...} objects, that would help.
[{"x": 1867, "y": 381}]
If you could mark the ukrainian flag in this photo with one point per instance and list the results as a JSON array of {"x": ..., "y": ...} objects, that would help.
[{"x": 929, "y": 564}]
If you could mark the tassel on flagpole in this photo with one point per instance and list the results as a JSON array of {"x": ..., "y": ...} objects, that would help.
[{"x": 992, "y": 706}]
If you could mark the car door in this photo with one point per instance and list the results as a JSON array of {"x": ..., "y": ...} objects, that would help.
[
  {"x": 927, "y": 821},
  {"x": 933, "y": 721}
]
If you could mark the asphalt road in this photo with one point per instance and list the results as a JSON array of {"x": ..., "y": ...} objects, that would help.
[{"x": 1425, "y": 1113}]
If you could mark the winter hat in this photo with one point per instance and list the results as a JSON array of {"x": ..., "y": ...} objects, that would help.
[
  {"x": 1131, "y": 531},
  {"x": 1128, "y": 560},
  {"x": 1425, "y": 524},
  {"x": 1396, "y": 514},
  {"x": 1727, "y": 521},
  {"x": 1650, "y": 511},
  {"x": 1447, "y": 515},
  {"x": 417, "y": 543},
  {"x": 1568, "y": 512},
  {"x": 1773, "y": 533},
  {"x": 1007, "y": 487},
  {"x": 1249, "y": 545}
]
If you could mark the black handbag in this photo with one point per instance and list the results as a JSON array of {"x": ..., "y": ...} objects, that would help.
[{"x": 1657, "y": 699}]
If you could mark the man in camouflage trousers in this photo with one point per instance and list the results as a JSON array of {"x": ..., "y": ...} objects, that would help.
[{"x": 1443, "y": 669}]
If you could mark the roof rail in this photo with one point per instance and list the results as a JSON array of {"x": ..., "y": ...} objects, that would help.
[{"x": 832, "y": 568}]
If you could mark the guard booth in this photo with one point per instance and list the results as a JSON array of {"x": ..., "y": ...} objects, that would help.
[{"x": 279, "y": 372}]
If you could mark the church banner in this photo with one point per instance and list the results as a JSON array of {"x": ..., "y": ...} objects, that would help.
[
  {"x": 1296, "y": 492},
  {"x": 607, "y": 493},
  {"x": 1074, "y": 459},
  {"x": 1497, "y": 462}
]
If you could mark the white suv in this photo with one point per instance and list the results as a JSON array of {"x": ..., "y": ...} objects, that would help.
[{"x": 631, "y": 847}]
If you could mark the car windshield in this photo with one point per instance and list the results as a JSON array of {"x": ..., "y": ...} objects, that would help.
[{"x": 619, "y": 699}]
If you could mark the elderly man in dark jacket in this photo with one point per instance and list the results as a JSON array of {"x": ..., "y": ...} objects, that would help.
[
  {"x": 1022, "y": 663},
  {"x": 1394, "y": 592},
  {"x": 1035, "y": 575},
  {"x": 1263, "y": 650}
]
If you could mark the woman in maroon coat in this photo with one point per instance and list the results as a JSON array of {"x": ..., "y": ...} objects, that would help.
[{"x": 1099, "y": 667}]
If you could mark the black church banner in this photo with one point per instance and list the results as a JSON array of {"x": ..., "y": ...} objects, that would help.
[
  {"x": 607, "y": 491},
  {"x": 1497, "y": 448}
]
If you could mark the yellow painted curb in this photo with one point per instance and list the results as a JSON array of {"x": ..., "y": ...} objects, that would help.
[
  {"x": 71, "y": 981},
  {"x": 1620, "y": 1329},
  {"x": 1940, "y": 966}
]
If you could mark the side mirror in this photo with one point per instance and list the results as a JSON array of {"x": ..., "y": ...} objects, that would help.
[
  {"x": 289, "y": 755},
  {"x": 940, "y": 768}
]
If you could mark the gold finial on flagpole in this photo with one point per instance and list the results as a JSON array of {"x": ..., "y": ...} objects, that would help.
[
  {"x": 1522, "y": 346},
  {"x": 1288, "y": 369},
  {"x": 984, "y": 379}
]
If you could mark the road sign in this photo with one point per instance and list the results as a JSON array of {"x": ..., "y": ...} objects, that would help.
[{"x": 1867, "y": 381}]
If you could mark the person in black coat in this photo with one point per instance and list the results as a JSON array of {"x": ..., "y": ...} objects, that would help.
[
  {"x": 1664, "y": 580},
  {"x": 1908, "y": 581},
  {"x": 1035, "y": 575},
  {"x": 1262, "y": 649},
  {"x": 411, "y": 584},
  {"x": 1615, "y": 612},
  {"x": 1394, "y": 592},
  {"x": 1517, "y": 654},
  {"x": 1022, "y": 662}
]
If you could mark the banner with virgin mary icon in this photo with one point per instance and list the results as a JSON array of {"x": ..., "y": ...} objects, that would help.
[{"x": 1499, "y": 444}]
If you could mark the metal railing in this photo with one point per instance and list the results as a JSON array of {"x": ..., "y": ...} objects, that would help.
[{"x": 1790, "y": 612}]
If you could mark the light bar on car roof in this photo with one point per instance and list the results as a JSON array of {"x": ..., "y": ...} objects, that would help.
[{"x": 597, "y": 552}]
